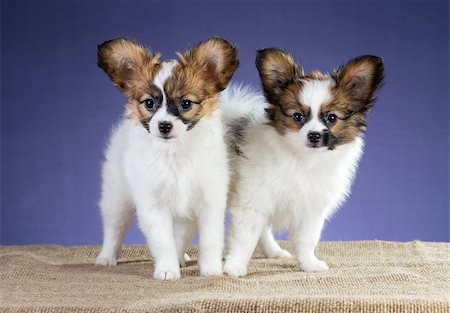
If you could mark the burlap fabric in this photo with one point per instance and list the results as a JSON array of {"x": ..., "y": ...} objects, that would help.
[{"x": 371, "y": 276}]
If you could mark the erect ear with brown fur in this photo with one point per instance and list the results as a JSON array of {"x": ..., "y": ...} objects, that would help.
[
  {"x": 276, "y": 69},
  {"x": 215, "y": 58},
  {"x": 121, "y": 58},
  {"x": 359, "y": 79}
]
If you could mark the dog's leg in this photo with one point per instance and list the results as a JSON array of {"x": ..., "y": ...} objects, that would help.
[
  {"x": 116, "y": 214},
  {"x": 270, "y": 247},
  {"x": 157, "y": 225},
  {"x": 211, "y": 221},
  {"x": 184, "y": 232},
  {"x": 247, "y": 226},
  {"x": 305, "y": 238}
]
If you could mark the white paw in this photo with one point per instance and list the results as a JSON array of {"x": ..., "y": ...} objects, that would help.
[
  {"x": 166, "y": 275},
  {"x": 187, "y": 258},
  {"x": 278, "y": 254},
  {"x": 211, "y": 270},
  {"x": 313, "y": 265},
  {"x": 102, "y": 261},
  {"x": 234, "y": 270}
]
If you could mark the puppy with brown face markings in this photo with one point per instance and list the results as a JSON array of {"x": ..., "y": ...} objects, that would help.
[
  {"x": 167, "y": 159},
  {"x": 297, "y": 158}
]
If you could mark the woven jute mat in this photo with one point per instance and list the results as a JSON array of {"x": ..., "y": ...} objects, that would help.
[{"x": 368, "y": 276}]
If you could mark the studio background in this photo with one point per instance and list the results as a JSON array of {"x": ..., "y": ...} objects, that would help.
[{"x": 57, "y": 107}]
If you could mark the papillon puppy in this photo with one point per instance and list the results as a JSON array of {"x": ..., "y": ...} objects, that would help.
[
  {"x": 295, "y": 157},
  {"x": 167, "y": 158}
]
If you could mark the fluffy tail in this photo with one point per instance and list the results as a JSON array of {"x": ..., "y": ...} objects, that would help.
[{"x": 238, "y": 101}]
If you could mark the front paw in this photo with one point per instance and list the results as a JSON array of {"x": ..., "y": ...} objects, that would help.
[
  {"x": 211, "y": 268},
  {"x": 313, "y": 265},
  {"x": 105, "y": 261},
  {"x": 167, "y": 274},
  {"x": 235, "y": 269}
]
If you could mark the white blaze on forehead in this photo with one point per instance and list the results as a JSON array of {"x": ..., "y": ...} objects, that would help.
[
  {"x": 163, "y": 75},
  {"x": 315, "y": 93},
  {"x": 162, "y": 115}
]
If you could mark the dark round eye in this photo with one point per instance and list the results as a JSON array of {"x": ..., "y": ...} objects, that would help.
[
  {"x": 331, "y": 118},
  {"x": 186, "y": 104},
  {"x": 149, "y": 103},
  {"x": 298, "y": 117}
]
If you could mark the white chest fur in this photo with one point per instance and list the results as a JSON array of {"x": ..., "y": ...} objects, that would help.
[
  {"x": 298, "y": 182},
  {"x": 175, "y": 188},
  {"x": 317, "y": 181},
  {"x": 170, "y": 175},
  {"x": 287, "y": 188}
]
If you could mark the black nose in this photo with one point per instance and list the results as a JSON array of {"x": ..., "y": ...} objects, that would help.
[
  {"x": 165, "y": 127},
  {"x": 314, "y": 137}
]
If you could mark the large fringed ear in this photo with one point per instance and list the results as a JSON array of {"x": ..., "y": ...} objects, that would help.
[
  {"x": 121, "y": 58},
  {"x": 359, "y": 79},
  {"x": 215, "y": 59},
  {"x": 276, "y": 69}
]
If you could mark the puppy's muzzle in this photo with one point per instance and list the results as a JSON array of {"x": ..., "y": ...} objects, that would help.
[
  {"x": 319, "y": 139},
  {"x": 314, "y": 137},
  {"x": 165, "y": 128}
]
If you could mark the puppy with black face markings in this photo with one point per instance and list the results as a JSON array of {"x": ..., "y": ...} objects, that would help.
[
  {"x": 298, "y": 155},
  {"x": 167, "y": 158}
]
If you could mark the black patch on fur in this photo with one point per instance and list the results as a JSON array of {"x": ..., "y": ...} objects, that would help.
[
  {"x": 332, "y": 141},
  {"x": 329, "y": 139},
  {"x": 154, "y": 92},
  {"x": 189, "y": 123},
  {"x": 236, "y": 133},
  {"x": 146, "y": 124},
  {"x": 306, "y": 117},
  {"x": 172, "y": 108},
  {"x": 270, "y": 114}
]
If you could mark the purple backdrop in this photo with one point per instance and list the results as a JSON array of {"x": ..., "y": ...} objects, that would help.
[{"x": 57, "y": 107}]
